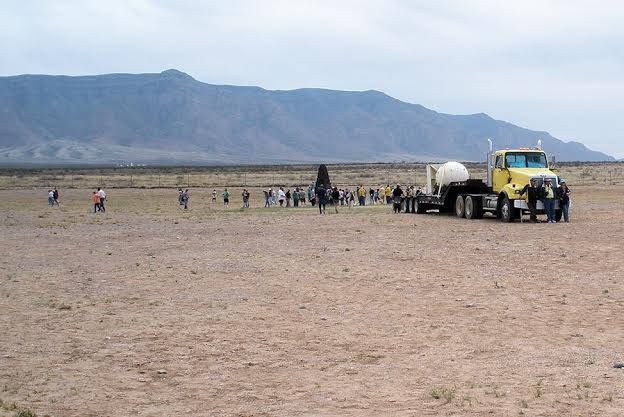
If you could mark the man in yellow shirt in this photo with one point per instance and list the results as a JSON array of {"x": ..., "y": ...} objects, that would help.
[
  {"x": 388, "y": 194},
  {"x": 361, "y": 195}
]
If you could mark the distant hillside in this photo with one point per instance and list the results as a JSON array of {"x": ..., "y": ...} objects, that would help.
[{"x": 171, "y": 118}]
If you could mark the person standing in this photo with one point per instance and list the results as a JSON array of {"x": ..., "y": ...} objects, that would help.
[
  {"x": 361, "y": 195},
  {"x": 335, "y": 195},
  {"x": 302, "y": 197},
  {"x": 185, "y": 199},
  {"x": 564, "y": 200},
  {"x": 96, "y": 202},
  {"x": 50, "y": 198},
  {"x": 533, "y": 195},
  {"x": 371, "y": 196},
  {"x": 214, "y": 195},
  {"x": 350, "y": 199},
  {"x": 226, "y": 198},
  {"x": 321, "y": 194},
  {"x": 388, "y": 193},
  {"x": 295, "y": 197},
  {"x": 246, "y": 198},
  {"x": 180, "y": 196},
  {"x": 102, "y": 195},
  {"x": 409, "y": 198},
  {"x": 397, "y": 194},
  {"x": 266, "y": 198},
  {"x": 311, "y": 194},
  {"x": 56, "y": 197},
  {"x": 281, "y": 196},
  {"x": 549, "y": 200},
  {"x": 288, "y": 197}
]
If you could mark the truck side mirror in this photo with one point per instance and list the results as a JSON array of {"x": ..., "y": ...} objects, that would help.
[{"x": 552, "y": 162}]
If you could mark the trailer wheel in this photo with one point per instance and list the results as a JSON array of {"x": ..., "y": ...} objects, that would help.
[
  {"x": 507, "y": 211},
  {"x": 460, "y": 206},
  {"x": 473, "y": 208},
  {"x": 419, "y": 208}
]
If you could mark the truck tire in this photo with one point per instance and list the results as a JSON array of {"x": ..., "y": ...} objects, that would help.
[
  {"x": 460, "y": 206},
  {"x": 507, "y": 211},
  {"x": 473, "y": 208},
  {"x": 419, "y": 208}
]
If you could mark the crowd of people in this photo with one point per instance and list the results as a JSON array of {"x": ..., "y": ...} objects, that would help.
[
  {"x": 548, "y": 195},
  {"x": 295, "y": 198},
  {"x": 400, "y": 199}
]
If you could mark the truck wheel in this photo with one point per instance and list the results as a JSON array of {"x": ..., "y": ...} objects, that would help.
[
  {"x": 473, "y": 208},
  {"x": 419, "y": 208},
  {"x": 507, "y": 211},
  {"x": 460, "y": 207},
  {"x": 558, "y": 215}
]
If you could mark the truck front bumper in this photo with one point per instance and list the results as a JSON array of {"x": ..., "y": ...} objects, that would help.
[{"x": 522, "y": 204}]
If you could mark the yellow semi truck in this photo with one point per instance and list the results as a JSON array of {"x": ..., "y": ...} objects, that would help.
[{"x": 508, "y": 171}]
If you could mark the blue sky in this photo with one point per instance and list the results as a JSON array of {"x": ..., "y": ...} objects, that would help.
[{"x": 556, "y": 66}]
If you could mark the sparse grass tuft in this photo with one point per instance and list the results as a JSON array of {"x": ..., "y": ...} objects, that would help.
[
  {"x": 53, "y": 304},
  {"x": 448, "y": 394},
  {"x": 26, "y": 413},
  {"x": 607, "y": 397},
  {"x": 7, "y": 406},
  {"x": 524, "y": 404}
]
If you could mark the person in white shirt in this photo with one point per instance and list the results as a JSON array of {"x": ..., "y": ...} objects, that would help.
[
  {"x": 271, "y": 197},
  {"x": 102, "y": 195},
  {"x": 281, "y": 195}
]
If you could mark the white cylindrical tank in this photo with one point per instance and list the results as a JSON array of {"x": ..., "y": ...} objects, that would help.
[{"x": 451, "y": 172}]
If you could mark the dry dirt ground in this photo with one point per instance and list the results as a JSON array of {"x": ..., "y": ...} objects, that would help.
[{"x": 149, "y": 310}]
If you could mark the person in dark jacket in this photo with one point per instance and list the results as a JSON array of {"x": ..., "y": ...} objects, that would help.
[
  {"x": 397, "y": 197},
  {"x": 563, "y": 193},
  {"x": 534, "y": 194},
  {"x": 321, "y": 195}
]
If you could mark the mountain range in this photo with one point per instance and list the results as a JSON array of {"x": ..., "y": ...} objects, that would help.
[{"x": 171, "y": 118}]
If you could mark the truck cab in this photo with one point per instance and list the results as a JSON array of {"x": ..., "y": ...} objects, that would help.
[{"x": 511, "y": 170}]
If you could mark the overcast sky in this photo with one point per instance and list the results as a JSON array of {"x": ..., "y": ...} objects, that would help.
[{"x": 546, "y": 65}]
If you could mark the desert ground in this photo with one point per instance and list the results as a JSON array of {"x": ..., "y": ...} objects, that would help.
[{"x": 155, "y": 311}]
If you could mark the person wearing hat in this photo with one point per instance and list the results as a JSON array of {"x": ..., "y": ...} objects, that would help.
[
  {"x": 534, "y": 193},
  {"x": 563, "y": 193},
  {"x": 549, "y": 200}
]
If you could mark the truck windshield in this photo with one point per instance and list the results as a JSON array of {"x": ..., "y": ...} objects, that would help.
[{"x": 526, "y": 160}]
